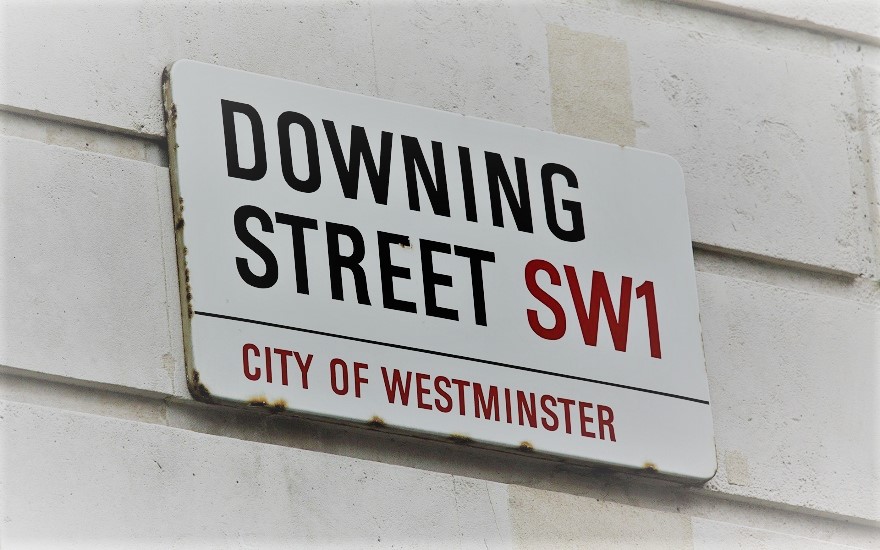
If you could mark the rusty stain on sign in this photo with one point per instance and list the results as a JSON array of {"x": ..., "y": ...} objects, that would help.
[
  {"x": 279, "y": 405},
  {"x": 461, "y": 439},
  {"x": 376, "y": 422},
  {"x": 258, "y": 401},
  {"x": 198, "y": 389}
]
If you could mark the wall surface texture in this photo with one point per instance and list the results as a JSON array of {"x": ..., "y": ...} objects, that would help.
[{"x": 772, "y": 109}]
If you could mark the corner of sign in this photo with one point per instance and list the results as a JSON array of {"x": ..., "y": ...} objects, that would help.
[
  {"x": 708, "y": 465},
  {"x": 651, "y": 467},
  {"x": 712, "y": 472},
  {"x": 176, "y": 65},
  {"x": 197, "y": 388},
  {"x": 171, "y": 73},
  {"x": 674, "y": 166}
]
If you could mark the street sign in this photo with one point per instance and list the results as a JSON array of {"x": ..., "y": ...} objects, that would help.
[{"x": 350, "y": 257}]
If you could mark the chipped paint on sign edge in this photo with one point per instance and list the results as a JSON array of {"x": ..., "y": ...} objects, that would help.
[{"x": 196, "y": 387}]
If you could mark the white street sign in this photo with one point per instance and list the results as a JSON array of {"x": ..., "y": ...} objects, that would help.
[{"x": 361, "y": 259}]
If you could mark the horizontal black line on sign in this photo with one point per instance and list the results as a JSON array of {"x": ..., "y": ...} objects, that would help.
[{"x": 450, "y": 355}]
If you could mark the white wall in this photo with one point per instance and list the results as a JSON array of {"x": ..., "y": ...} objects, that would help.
[{"x": 772, "y": 108}]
